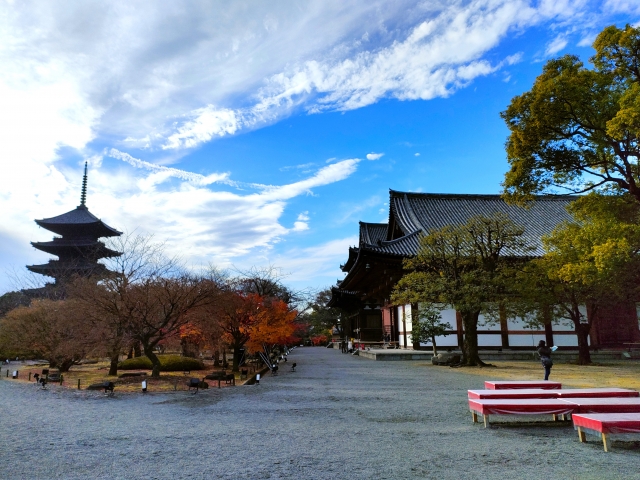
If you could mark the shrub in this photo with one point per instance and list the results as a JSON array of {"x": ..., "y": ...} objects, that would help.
[{"x": 168, "y": 363}]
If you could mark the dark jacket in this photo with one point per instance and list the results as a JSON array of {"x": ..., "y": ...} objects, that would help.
[{"x": 544, "y": 351}]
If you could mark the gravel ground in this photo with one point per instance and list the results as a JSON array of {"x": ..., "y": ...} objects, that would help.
[{"x": 337, "y": 416}]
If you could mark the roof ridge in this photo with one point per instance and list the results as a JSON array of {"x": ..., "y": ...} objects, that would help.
[{"x": 399, "y": 193}]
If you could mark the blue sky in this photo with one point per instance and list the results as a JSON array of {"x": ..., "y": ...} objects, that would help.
[{"x": 260, "y": 133}]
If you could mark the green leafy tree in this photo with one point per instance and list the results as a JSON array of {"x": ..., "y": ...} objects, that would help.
[
  {"x": 577, "y": 129},
  {"x": 321, "y": 319},
  {"x": 590, "y": 262},
  {"x": 429, "y": 327},
  {"x": 470, "y": 267}
]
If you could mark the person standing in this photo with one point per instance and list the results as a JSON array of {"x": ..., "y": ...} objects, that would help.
[{"x": 544, "y": 353}]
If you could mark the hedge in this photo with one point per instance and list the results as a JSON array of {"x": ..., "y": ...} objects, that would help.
[{"x": 168, "y": 363}]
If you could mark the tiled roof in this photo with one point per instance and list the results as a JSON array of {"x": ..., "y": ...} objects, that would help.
[
  {"x": 404, "y": 246},
  {"x": 427, "y": 211},
  {"x": 80, "y": 217},
  {"x": 96, "y": 249},
  {"x": 370, "y": 233}
]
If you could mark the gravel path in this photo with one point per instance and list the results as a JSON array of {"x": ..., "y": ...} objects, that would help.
[{"x": 337, "y": 416}]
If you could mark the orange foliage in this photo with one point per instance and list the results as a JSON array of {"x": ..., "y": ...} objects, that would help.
[
  {"x": 274, "y": 325},
  {"x": 189, "y": 333}
]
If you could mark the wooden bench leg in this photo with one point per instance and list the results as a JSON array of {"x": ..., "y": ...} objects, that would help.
[
  {"x": 581, "y": 435},
  {"x": 605, "y": 442},
  {"x": 486, "y": 420},
  {"x": 474, "y": 417}
]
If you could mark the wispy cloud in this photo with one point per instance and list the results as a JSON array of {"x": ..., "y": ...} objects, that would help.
[
  {"x": 556, "y": 45},
  {"x": 434, "y": 59},
  {"x": 166, "y": 172},
  {"x": 374, "y": 156}
]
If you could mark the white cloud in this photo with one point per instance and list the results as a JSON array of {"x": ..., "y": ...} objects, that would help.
[
  {"x": 319, "y": 261},
  {"x": 176, "y": 77},
  {"x": 197, "y": 223},
  {"x": 588, "y": 40},
  {"x": 622, "y": 6},
  {"x": 166, "y": 172},
  {"x": 556, "y": 45},
  {"x": 416, "y": 154},
  {"x": 88, "y": 77},
  {"x": 374, "y": 156},
  {"x": 202, "y": 126},
  {"x": 301, "y": 224}
]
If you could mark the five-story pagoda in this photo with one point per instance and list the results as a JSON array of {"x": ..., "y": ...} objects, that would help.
[{"x": 77, "y": 248}]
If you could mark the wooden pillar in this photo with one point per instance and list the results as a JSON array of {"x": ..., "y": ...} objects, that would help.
[
  {"x": 392, "y": 319},
  {"x": 404, "y": 326}
]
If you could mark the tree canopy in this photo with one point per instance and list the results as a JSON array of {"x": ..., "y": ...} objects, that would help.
[
  {"x": 590, "y": 262},
  {"x": 577, "y": 129},
  {"x": 469, "y": 267}
]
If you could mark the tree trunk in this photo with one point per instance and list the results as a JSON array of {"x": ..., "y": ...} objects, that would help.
[
  {"x": 470, "y": 343},
  {"x": 216, "y": 357},
  {"x": 65, "y": 365},
  {"x": 582, "y": 332},
  {"x": 236, "y": 357},
  {"x": 433, "y": 342},
  {"x": 155, "y": 361},
  {"x": 113, "y": 366},
  {"x": 137, "y": 352}
]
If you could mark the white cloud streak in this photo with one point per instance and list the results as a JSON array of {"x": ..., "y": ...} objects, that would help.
[{"x": 374, "y": 156}]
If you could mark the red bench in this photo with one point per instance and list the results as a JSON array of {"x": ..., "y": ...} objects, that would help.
[
  {"x": 605, "y": 425},
  {"x": 605, "y": 405},
  {"x": 509, "y": 384},
  {"x": 519, "y": 406},
  {"x": 552, "y": 393},
  {"x": 551, "y": 406}
]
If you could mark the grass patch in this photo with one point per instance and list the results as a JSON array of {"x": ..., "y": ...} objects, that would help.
[
  {"x": 605, "y": 374},
  {"x": 97, "y": 372}
]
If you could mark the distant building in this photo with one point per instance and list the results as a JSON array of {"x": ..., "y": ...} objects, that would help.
[
  {"x": 375, "y": 266},
  {"x": 77, "y": 246}
]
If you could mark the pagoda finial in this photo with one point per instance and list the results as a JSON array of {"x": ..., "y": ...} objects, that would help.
[{"x": 83, "y": 196}]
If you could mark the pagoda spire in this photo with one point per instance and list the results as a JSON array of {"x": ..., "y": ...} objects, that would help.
[{"x": 83, "y": 195}]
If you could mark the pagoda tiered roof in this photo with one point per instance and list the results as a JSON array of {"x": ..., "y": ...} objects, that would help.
[
  {"x": 78, "y": 249},
  {"x": 87, "y": 244},
  {"x": 78, "y": 219}
]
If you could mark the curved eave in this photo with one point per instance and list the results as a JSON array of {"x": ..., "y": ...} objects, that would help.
[
  {"x": 359, "y": 269},
  {"x": 353, "y": 255},
  {"x": 57, "y": 269},
  {"x": 94, "y": 250},
  {"x": 342, "y": 298},
  {"x": 97, "y": 229},
  {"x": 78, "y": 220}
]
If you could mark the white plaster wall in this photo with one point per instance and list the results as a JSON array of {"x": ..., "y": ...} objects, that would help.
[
  {"x": 408, "y": 319},
  {"x": 490, "y": 340},
  {"x": 526, "y": 340}
]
